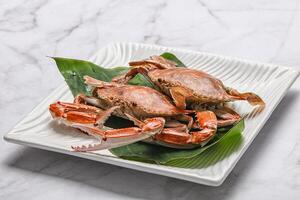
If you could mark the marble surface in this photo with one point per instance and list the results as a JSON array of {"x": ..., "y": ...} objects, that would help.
[{"x": 261, "y": 30}]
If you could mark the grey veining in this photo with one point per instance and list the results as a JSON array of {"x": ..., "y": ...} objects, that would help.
[{"x": 31, "y": 30}]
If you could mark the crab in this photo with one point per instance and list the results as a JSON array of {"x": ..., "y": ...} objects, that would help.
[
  {"x": 191, "y": 88},
  {"x": 156, "y": 118}
]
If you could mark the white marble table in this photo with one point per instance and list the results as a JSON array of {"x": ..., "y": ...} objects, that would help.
[{"x": 30, "y": 30}]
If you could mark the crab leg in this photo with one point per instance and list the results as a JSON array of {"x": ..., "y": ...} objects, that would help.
[
  {"x": 98, "y": 83},
  {"x": 87, "y": 100},
  {"x": 158, "y": 61},
  {"x": 90, "y": 119},
  {"x": 252, "y": 98},
  {"x": 179, "y": 97},
  {"x": 143, "y": 67},
  {"x": 124, "y": 78}
]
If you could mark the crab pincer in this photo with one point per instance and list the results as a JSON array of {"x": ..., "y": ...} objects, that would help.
[
  {"x": 90, "y": 120},
  {"x": 182, "y": 138}
]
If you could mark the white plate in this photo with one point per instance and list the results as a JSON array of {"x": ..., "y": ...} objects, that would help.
[{"x": 269, "y": 81}]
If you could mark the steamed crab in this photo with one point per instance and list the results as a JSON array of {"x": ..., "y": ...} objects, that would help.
[
  {"x": 156, "y": 117},
  {"x": 189, "y": 87}
]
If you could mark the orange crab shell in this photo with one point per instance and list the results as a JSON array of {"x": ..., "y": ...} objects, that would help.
[
  {"x": 198, "y": 85},
  {"x": 137, "y": 100}
]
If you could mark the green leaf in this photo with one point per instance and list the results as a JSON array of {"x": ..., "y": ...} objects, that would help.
[
  {"x": 163, "y": 155},
  {"x": 73, "y": 71},
  {"x": 210, "y": 156},
  {"x": 141, "y": 80},
  {"x": 172, "y": 57}
]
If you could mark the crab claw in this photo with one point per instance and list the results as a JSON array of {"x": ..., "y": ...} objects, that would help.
[
  {"x": 119, "y": 137},
  {"x": 207, "y": 121},
  {"x": 72, "y": 114},
  {"x": 90, "y": 120},
  {"x": 226, "y": 116},
  {"x": 180, "y": 137}
]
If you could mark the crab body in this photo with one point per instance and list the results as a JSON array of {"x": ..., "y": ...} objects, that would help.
[
  {"x": 198, "y": 86},
  {"x": 139, "y": 101}
]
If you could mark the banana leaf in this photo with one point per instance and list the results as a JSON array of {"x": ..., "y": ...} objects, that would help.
[
  {"x": 149, "y": 153},
  {"x": 172, "y": 57},
  {"x": 74, "y": 70}
]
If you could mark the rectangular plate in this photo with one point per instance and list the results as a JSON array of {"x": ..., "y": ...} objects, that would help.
[{"x": 269, "y": 81}]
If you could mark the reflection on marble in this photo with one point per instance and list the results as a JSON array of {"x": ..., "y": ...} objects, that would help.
[{"x": 31, "y": 30}]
